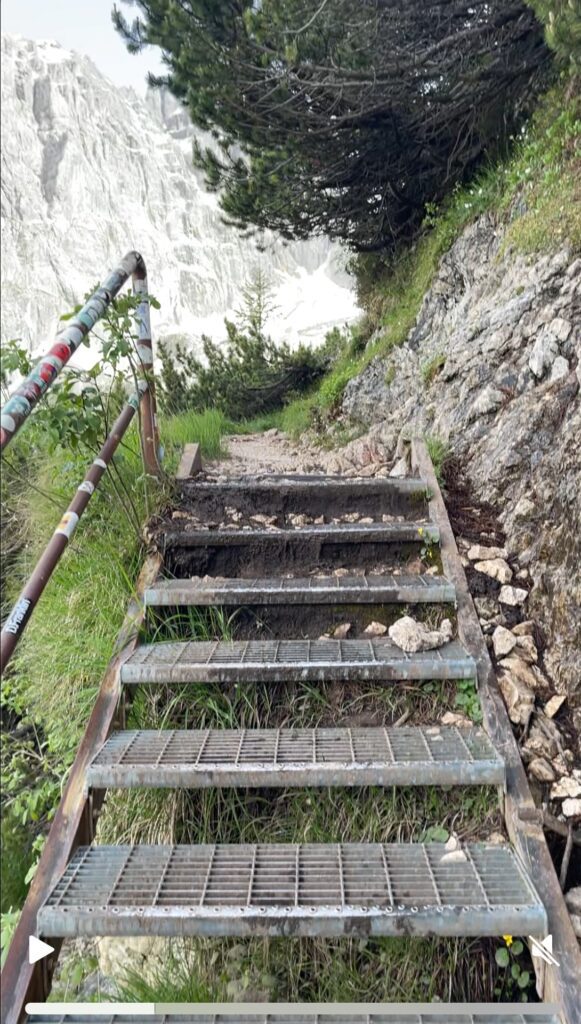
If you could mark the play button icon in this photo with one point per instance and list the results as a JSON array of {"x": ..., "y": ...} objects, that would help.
[{"x": 37, "y": 949}]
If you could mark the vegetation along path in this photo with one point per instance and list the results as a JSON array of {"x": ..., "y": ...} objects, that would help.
[{"x": 326, "y": 799}]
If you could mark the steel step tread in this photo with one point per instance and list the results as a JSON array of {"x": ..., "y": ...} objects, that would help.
[
  {"x": 403, "y": 756},
  {"x": 405, "y": 532},
  {"x": 445, "y": 1013},
  {"x": 374, "y": 588},
  {"x": 293, "y": 889},
  {"x": 277, "y": 660}
]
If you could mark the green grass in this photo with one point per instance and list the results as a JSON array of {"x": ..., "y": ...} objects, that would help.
[
  {"x": 207, "y": 428},
  {"x": 432, "y": 367},
  {"x": 439, "y": 451}
]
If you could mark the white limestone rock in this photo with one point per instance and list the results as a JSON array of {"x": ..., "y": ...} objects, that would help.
[
  {"x": 496, "y": 568},
  {"x": 412, "y": 636},
  {"x": 503, "y": 641},
  {"x": 513, "y": 596},
  {"x": 481, "y": 553}
]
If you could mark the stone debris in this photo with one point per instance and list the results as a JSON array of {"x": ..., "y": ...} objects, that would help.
[
  {"x": 554, "y": 704},
  {"x": 496, "y": 838},
  {"x": 452, "y": 718},
  {"x": 565, "y": 788},
  {"x": 400, "y": 469},
  {"x": 513, "y": 596},
  {"x": 545, "y": 351},
  {"x": 527, "y": 649},
  {"x": 519, "y": 700},
  {"x": 559, "y": 369},
  {"x": 479, "y": 553},
  {"x": 496, "y": 568},
  {"x": 541, "y": 770},
  {"x": 375, "y": 629},
  {"x": 412, "y": 636},
  {"x": 263, "y": 520},
  {"x": 520, "y": 669},
  {"x": 524, "y": 628},
  {"x": 340, "y": 632},
  {"x": 503, "y": 641},
  {"x": 572, "y": 808}
]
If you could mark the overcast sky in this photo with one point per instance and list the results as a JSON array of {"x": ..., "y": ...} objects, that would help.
[{"x": 84, "y": 26}]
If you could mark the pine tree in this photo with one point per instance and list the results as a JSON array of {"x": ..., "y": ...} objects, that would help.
[{"x": 345, "y": 117}]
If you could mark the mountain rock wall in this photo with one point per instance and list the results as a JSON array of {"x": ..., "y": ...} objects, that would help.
[
  {"x": 90, "y": 170},
  {"x": 505, "y": 331}
]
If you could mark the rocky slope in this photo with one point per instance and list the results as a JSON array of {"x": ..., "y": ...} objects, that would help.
[
  {"x": 90, "y": 170},
  {"x": 500, "y": 335}
]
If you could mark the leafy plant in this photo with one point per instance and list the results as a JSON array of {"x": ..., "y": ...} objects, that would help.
[
  {"x": 516, "y": 980},
  {"x": 467, "y": 700}
]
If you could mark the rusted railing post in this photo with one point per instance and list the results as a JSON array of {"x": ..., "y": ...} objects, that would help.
[
  {"x": 148, "y": 410},
  {"x": 18, "y": 619},
  {"x": 31, "y": 390}
]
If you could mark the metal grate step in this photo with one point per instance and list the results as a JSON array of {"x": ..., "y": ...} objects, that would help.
[
  {"x": 457, "y": 1013},
  {"x": 353, "y": 889},
  {"x": 344, "y": 533},
  {"x": 297, "y": 757},
  {"x": 372, "y": 589},
  {"x": 278, "y": 660}
]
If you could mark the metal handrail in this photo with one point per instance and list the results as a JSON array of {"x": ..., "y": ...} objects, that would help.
[
  {"x": 19, "y": 617},
  {"x": 30, "y": 391}
]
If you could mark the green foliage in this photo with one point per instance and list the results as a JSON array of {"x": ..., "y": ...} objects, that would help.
[
  {"x": 518, "y": 977},
  {"x": 322, "y": 123},
  {"x": 207, "y": 428},
  {"x": 432, "y": 367},
  {"x": 562, "y": 21},
  {"x": 246, "y": 376},
  {"x": 439, "y": 451},
  {"x": 467, "y": 700}
]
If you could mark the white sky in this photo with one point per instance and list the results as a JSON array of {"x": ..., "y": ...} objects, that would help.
[{"x": 84, "y": 26}]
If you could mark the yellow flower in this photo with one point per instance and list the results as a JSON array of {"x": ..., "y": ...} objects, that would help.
[
  {"x": 421, "y": 531},
  {"x": 508, "y": 939}
]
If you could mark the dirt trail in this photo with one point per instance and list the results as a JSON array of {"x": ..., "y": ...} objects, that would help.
[{"x": 270, "y": 452}]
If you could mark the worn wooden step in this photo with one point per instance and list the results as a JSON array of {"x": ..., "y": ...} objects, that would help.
[
  {"x": 282, "y": 660},
  {"x": 272, "y": 590},
  {"x": 312, "y": 494},
  {"x": 405, "y": 532},
  {"x": 285, "y": 889},
  {"x": 191, "y": 758}
]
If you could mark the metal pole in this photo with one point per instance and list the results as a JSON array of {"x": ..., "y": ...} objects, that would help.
[
  {"x": 18, "y": 619},
  {"x": 31, "y": 390},
  {"x": 149, "y": 430}
]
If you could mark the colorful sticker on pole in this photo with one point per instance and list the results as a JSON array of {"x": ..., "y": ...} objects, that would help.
[{"x": 68, "y": 524}]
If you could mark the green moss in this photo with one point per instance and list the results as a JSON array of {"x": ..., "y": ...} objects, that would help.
[{"x": 432, "y": 367}]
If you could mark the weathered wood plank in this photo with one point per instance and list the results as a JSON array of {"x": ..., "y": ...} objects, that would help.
[{"x": 190, "y": 462}]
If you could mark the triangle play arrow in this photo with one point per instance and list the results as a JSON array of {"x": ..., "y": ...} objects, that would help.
[{"x": 37, "y": 949}]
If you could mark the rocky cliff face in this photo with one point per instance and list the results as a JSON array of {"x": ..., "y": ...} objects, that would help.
[
  {"x": 505, "y": 330},
  {"x": 90, "y": 171}
]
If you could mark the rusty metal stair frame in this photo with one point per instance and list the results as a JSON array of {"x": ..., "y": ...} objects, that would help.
[
  {"x": 75, "y": 819},
  {"x": 561, "y": 983}
]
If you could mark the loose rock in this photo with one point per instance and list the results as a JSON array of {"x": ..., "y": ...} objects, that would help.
[
  {"x": 565, "y": 788},
  {"x": 554, "y": 704},
  {"x": 524, "y": 628},
  {"x": 478, "y": 553},
  {"x": 412, "y": 636},
  {"x": 540, "y": 769},
  {"x": 518, "y": 698},
  {"x": 512, "y": 596},
  {"x": 340, "y": 632},
  {"x": 527, "y": 649},
  {"x": 496, "y": 568},
  {"x": 503, "y": 641},
  {"x": 518, "y": 667},
  {"x": 460, "y": 721},
  {"x": 375, "y": 629},
  {"x": 572, "y": 808}
]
